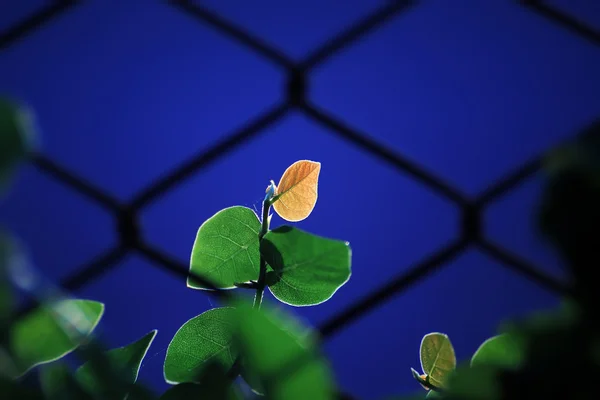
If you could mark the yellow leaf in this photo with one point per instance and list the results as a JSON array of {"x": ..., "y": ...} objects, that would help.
[
  {"x": 296, "y": 194},
  {"x": 437, "y": 357}
]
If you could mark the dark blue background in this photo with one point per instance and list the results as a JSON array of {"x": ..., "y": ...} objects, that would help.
[{"x": 124, "y": 91}]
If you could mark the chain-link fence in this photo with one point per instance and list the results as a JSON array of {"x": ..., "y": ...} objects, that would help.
[{"x": 126, "y": 214}]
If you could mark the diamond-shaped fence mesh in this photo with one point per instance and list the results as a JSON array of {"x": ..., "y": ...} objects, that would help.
[{"x": 126, "y": 214}]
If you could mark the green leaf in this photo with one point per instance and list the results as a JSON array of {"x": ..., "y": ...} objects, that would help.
[
  {"x": 437, "y": 358},
  {"x": 16, "y": 137},
  {"x": 477, "y": 383},
  {"x": 215, "y": 385},
  {"x": 502, "y": 351},
  {"x": 283, "y": 357},
  {"x": 207, "y": 337},
  {"x": 58, "y": 383},
  {"x": 226, "y": 249},
  {"x": 126, "y": 361},
  {"x": 44, "y": 334},
  {"x": 308, "y": 269}
]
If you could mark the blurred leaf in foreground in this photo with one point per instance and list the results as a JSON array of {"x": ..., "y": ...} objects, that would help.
[
  {"x": 44, "y": 334},
  {"x": 17, "y": 137},
  {"x": 282, "y": 357}
]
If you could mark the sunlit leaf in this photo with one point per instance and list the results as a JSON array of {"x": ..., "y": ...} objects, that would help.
[
  {"x": 226, "y": 249},
  {"x": 281, "y": 356},
  {"x": 308, "y": 269},
  {"x": 207, "y": 337},
  {"x": 296, "y": 194},
  {"x": 16, "y": 137},
  {"x": 437, "y": 357},
  {"x": 42, "y": 335},
  {"x": 58, "y": 383},
  {"x": 501, "y": 351},
  {"x": 126, "y": 361}
]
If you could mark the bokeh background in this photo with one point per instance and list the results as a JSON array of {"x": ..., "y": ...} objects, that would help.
[{"x": 471, "y": 91}]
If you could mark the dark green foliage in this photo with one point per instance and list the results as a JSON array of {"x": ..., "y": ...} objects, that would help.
[
  {"x": 17, "y": 137},
  {"x": 570, "y": 213},
  {"x": 43, "y": 335},
  {"x": 552, "y": 355},
  {"x": 213, "y": 384},
  {"x": 282, "y": 356},
  {"x": 11, "y": 389},
  {"x": 127, "y": 360},
  {"x": 58, "y": 383}
]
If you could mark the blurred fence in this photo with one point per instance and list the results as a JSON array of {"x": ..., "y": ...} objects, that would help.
[{"x": 126, "y": 214}]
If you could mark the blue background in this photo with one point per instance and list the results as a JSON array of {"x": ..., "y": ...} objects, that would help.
[{"x": 124, "y": 91}]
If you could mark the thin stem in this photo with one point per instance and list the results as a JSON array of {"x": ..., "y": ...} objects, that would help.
[{"x": 262, "y": 274}]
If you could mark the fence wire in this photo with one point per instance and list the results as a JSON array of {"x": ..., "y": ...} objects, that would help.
[{"x": 126, "y": 214}]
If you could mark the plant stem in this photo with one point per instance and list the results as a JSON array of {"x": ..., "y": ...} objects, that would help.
[
  {"x": 262, "y": 274},
  {"x": 261, "y": 283}
]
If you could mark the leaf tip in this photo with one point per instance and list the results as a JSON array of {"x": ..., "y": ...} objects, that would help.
[
  {"x": 189, "y": 283},
  {"x": 102, "y": 307}
]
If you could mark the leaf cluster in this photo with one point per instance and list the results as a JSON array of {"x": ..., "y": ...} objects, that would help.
[
  {"x": 545, "y": 356},
  {"x": 273, "y": 353}
]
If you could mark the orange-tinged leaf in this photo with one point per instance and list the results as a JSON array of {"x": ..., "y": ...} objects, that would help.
[{"x": 296, "y": 194}]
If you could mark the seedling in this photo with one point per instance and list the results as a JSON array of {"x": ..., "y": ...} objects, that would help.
[
  {"x": 233, "y": 249},
  {"x": 236, "y": 249}
]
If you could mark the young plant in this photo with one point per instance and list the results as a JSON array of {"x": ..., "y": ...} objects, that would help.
[
  {"x": 236, "y": 249},
  {"x": 437, "y": 361}
]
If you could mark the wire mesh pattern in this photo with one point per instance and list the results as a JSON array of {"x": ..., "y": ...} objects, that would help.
[{"x": 126, "y": 214}]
